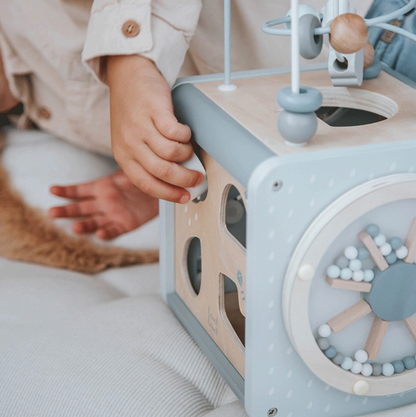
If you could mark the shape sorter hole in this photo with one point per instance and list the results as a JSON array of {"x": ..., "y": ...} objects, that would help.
[
  {"x": 194, "y": 264},
  {"x": 343, "y": 117},
  {"x": 235, "y": 215},
  {"x": 347, "y": 107},
  {"x": 231, "y": 307}
]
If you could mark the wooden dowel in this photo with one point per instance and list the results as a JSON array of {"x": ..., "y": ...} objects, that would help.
[
  {"x": 410, "y": 243},
  {"x": 376, "y": 337},
  {"x": 349, "y": 316},
  {"x": 350, "y": 285},
  {"x": 411, "y": 325},
  {"x": 375, "y": 253}
]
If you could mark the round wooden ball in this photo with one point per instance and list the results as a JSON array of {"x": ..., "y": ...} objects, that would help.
[
  {"x": 348, "y": 33},
  {"x": 368, "y": 55}
]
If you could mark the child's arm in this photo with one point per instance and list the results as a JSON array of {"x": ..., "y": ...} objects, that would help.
[
  {"x": 147, "y": 140},
  {"x": 137, "y": 47},
  {"x": 7, "y": 100}
]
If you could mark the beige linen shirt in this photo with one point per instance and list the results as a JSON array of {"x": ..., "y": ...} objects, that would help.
[{"x": 51, "y": 51}]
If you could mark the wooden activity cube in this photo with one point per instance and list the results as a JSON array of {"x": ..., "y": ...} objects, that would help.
[{"x": 298, "y": 259}]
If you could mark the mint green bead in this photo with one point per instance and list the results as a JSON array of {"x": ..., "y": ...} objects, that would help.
[
  {"x": 409, "y": 362},
  {"x": 398, "y": 367},
  {"x": 396, "y": 243},
  {"x": 373, "y": 230},
  {"x": 391, "y": 259},
  {"x": 363, "y": 253},
  {"x": 331, "y": 352},
  {"x": 377, "y": 369}
]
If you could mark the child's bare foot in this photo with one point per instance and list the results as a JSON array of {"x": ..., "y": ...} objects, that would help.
[{"x": 109, "y": 206}]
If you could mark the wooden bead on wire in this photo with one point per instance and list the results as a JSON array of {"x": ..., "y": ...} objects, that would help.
[
  {"x": 368, "y": 55},
  {"x": 348, "y": 33}
]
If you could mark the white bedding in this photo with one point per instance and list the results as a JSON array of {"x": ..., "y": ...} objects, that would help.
[{"x": 80, "y": 346}]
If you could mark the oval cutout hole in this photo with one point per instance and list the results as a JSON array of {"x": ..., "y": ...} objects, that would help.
[
  {"x": 231, "y": 308},
  {"x": 194, "y": 264},
  {"x": 235, "y": 215},
  {"x": 342, "y": 117},
  {"x": 346, "y": 107}
]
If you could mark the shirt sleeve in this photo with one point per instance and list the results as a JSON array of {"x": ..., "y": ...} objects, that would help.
[{"x": 156, "y": 29}]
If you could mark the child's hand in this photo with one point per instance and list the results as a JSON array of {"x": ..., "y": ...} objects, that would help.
[{"x": 147, "y": 139}]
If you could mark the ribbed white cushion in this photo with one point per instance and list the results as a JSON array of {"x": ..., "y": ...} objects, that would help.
[{"x": 71, "y": 345}]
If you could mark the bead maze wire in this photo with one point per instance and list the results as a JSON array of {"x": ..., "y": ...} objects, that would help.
[
  {"x": 380, "y": 21},
  {"x": 295, "y": 46},
  {"x": 293, "y": 19},
  {"x": 227, "y": 86}
]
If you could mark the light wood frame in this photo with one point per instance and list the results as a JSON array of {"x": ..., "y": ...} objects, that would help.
[{"x": 222, "y": 255}]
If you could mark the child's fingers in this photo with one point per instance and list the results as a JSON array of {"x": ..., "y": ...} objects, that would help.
[
  {"x": 89, "y": 225},
  {"x": 110, "y": 231},
  {"x": 79, "y": 209},
  {"x": 167, "y": 124},
  {"x": 169, "y": 150},
  {"x": 169, "y": 172},
  {"x": 154, "y": 186},
  {"x": 72, "y": 191}
]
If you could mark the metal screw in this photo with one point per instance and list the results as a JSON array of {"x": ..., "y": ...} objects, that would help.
[
  {"x": 272, "y": 412},
  {"x": 277, "y": 186}
]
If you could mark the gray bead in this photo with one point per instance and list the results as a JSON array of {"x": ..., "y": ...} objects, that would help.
[
  {"x": 310, "y": 46},
  {"x": 308, "y": 100},
  {"x": 398, "y": 367},
  {"x": 338, "y": 359},
  {"x": 331, "y": 352},
  {"x": 377, "y": 369},
  {"x": 323, "y": 343},
  {"x": 363, "y": 253},
  {"x": 391, "y": 259},
  {"x": 342, "y": 262},
  {"x": 373, "y": 230},
  {"x": 409, "y": 362},
  {"x": 373, "y": 70},
  {"x": 297, "y": 128},
  {"x": 396, "y": 243}
]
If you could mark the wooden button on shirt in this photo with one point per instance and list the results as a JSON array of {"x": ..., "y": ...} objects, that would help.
[
  {"x": 44, "y": 113},
  {"x": 130, "y": 29}
]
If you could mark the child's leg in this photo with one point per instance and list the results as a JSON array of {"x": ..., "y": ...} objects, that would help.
[
  {"x": 7, "y": 101},
  {"x": 109, "y": 206}
]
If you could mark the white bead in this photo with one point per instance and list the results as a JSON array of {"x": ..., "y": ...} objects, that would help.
[
  {"x": 358, "y": 276},
  {"x": 368, "y": 275},
  {"x": 347, "y": 364},
  {"x": 380, "y": 240},
  {"x": 324, "y": 331},
  {"x": 361, "y": 388},
  {"x": 333, "y": 271},
  {"x": 386, "y": 249},
  {"x": 367, "y": 369},
  {"x": 355, "y": 265},
  {"x": 346, "y": 273},
  {"x": 402, "y": 252},
  {"x": 351, "y": 252},
  {"x": 361, "y": 356},
  {"x": 388, "y": 369},
  {"x": 306, "y": 272},
  {"x": 357, "y": 367}
]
